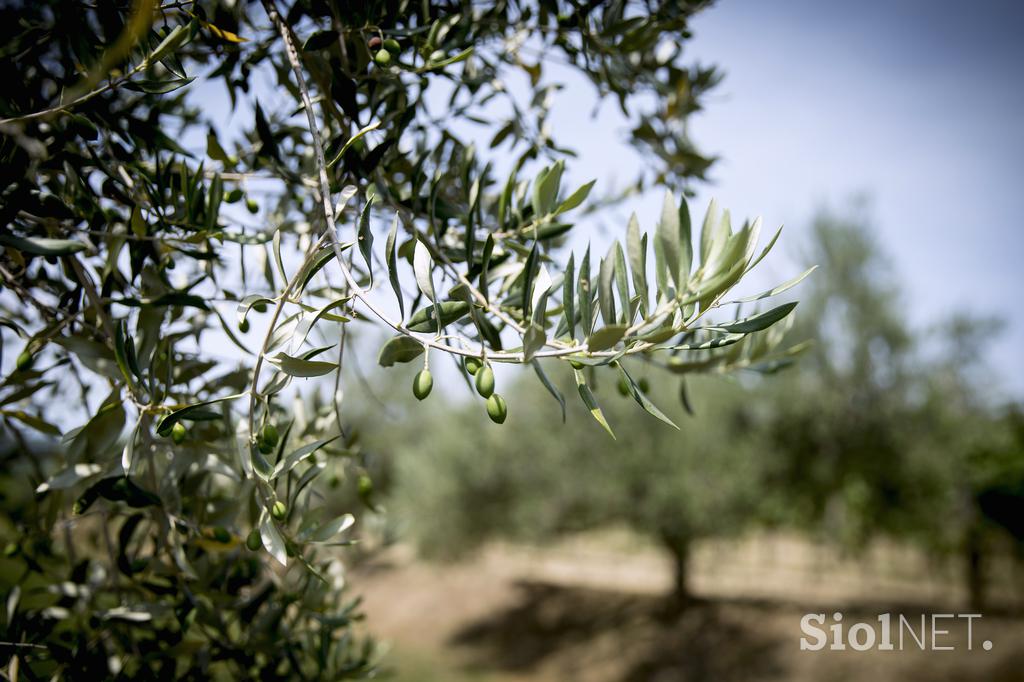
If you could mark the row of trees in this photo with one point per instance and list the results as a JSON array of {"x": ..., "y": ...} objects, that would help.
[{"x": 879, "y": 430}]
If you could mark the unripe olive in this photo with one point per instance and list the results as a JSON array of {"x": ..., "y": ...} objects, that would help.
[
  {"x": 576, "y": 364},
  {"x": 178, "y": 433},
  {"x": 233, "y": 195},
  {"x": 25, "y": 361},
  {"x": 437, "y": 56},
  {"x": 623, "y": 387},
  {"x": 473, "y": 365},
  {"x": 365, "y": 485},
  {"x": 290, "y": 549},
  {"x": 11, "y": 549},
  {"x": 264, "y": 447},
  {"x": 382, "y": 57},
  {"x": 269, "y": 435},
  {"x": 392, "y": 46},
  {"x": 497, "y": 410},
  {"x": 252, "y": 205},
  {"x": 278, "y": 511},
  {"x": 422, "y": 383},
  {"x": 221, "y": 534},
  {"x": 254, "y": 541},
  {"x": 485, "y": 381},
  {"x": 260, "y": 307},
  {"x": 243, "y": 326},
  {"x": 644, "y": 385}
]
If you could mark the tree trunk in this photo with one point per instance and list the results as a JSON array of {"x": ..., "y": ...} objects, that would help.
[
  {"x": 974, "y": 570},
  {"x": 678, "y": 546}
]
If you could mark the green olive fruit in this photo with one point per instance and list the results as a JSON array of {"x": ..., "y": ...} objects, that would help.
[
  {"x": 243, "y": 326},
  {"x": 473, "y": 365},
  {"x": 644, "y": 385},
  {"x": 382, "y": 57},
  {"x": 254, "y": 541},
  {"x": 279, "y": 511},
  {"x": 437, "y": 56},
  {"x": 422, "y": 383},
  {"x": 264, "y": 447},
  {"x": 365, "y": 485},
  {"x": 221, "y": 534},
  {"x": 11, "y": 549},
  {"x": 260, "y": 307},
  {"x": 623, "y": 387},
  {"x": 392, "y": 46},
  {"x": 252, "y": 205},
  {"x": 497, "y": 410},
  {"x": 485, "y": 381},
  {"x": 269, "y": 434},
  {"x": 576, "y": 364},
  {"x": 178, "y": 432},
  {"x": 25, "y": 361},
  {"x": 233, "y": 195}
]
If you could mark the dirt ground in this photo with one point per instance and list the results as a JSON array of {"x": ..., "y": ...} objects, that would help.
[{"x": 593, "y": 609}]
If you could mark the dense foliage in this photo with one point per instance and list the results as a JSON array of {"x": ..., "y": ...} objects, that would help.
[{"x": 136, "y": 224}]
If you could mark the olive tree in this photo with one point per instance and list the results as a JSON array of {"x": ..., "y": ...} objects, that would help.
[{"x": 180, "y": 516}]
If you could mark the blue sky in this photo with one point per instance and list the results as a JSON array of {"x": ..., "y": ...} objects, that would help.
[
  {"x": 913, "y": 103},
  {"x": 909, "y": 102},
  {"x": 917, "y": 103}
]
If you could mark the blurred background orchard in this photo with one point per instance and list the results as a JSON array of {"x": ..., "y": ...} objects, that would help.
[{"x": 881, "y": 472}]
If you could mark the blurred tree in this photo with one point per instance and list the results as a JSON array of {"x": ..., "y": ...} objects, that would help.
[
  {"x": 124, "y": 237},
  {"x": 469, "y": 484}
]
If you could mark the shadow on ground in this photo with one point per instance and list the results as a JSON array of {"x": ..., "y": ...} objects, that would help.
[
  {"x": 562, "y": 632},
  {"x": 553, "y": 620}
]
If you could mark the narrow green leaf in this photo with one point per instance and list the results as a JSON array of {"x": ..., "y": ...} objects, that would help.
[
  {"x": 575, "y": 199},
  {"x": 41, "y": 246},
  {"x": 757, "y": 322},
  {"x": 641, "y": 399},
  {"x": 606, "y": 337},
  {"x": 399, "y": 349},
  {"x": 605, "y": 286},
  {"x": 352, "y": 140},
  {"x": 168, "y": 422},
  {"x": 392, "y": 261},
  {"x": 591, "y": 402},
  {"x": 636, "y": 248},
  {"x": 246, "y": 304},
  {"x": 423, "y": 319},
  {"x": 298, "y": 367},
  {"x": 569, "y": 296},
  {"x": 365, "y": 237},
  {"x": 326, "y": 531},
  {"x": 423, "y": 266},
  {"x": 585, "y": 296},
  {"x": 296, "y": 457},
  {"x": 785, "y": 286},
  {"x": 272, "y": 540},
  {"x": 552, "y": 389},
  {"x": 622, "y": 283},
  {"x": 668, "y": 234},
  {"x": 717, "y": 342}
]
